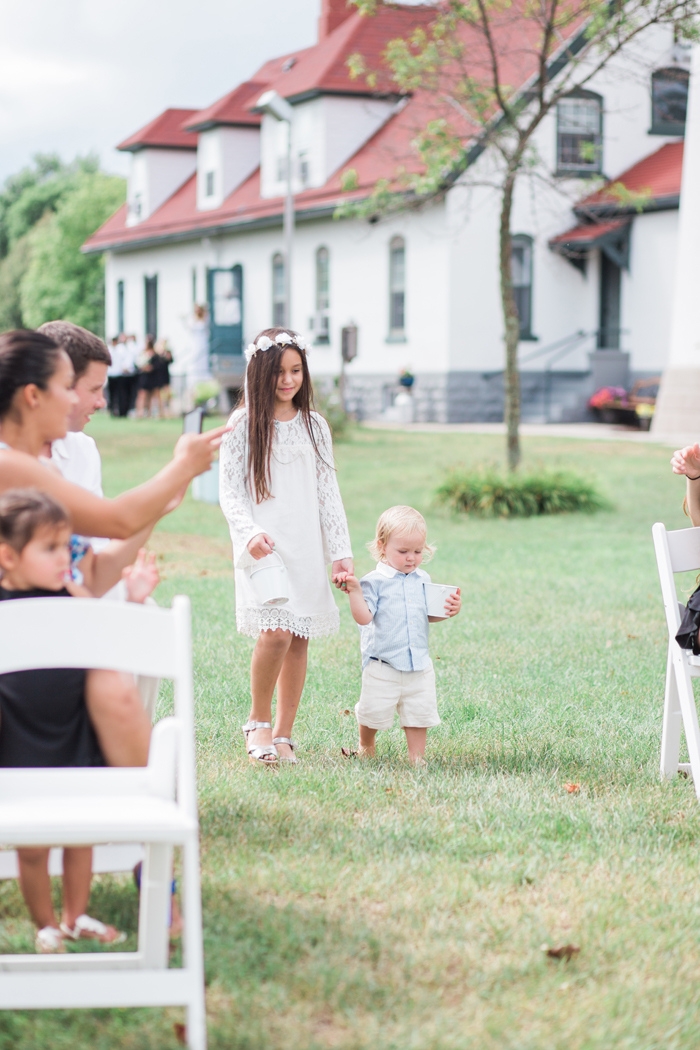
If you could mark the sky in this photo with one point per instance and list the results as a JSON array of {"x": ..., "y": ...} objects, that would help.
[{"x": 81, "y": 75}]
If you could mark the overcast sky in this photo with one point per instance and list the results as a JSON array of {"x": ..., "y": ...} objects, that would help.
[{"x": 81, "y": 75}]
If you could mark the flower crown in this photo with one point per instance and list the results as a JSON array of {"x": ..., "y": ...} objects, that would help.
[{"x": 283, "y": 339}]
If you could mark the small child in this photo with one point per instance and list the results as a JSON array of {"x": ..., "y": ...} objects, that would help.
[
  {"x": 44, "y": 719},
  {"x": 390, "y": 606}
]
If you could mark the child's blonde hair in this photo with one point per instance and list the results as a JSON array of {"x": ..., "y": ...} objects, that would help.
[{"x": 398, "y": 518}]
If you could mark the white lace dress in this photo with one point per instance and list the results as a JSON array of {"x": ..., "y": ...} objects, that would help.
[{"x": 304, "y": 517}]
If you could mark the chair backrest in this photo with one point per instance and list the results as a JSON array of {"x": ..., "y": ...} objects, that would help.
[
  {"x": 677, "y": 551},
  {"x": 117, "y": 636}
]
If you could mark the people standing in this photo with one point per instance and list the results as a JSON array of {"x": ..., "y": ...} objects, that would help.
[
  {"x": 279, "y": 492},
  {"x": 145, "y": 378}
]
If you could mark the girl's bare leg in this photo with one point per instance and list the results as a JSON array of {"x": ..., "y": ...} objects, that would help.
[
  {"x": 268, "y": 656},
  {"x": 140, "y": 403},
  {"x": 367, "y": 741},
  {"x": 35, "y": 885},
  {"x": 77, "y": 876},
  {"x": 290, "y": 685},
  {"x": 122, "y": 726},
  {"x": 416, "y": 740}
]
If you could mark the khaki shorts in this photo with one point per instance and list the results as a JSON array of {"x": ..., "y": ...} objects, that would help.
[{"x": 386, "y": 690}]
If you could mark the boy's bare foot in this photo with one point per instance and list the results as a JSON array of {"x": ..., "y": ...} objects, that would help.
[{"x": 417, "y": 760}]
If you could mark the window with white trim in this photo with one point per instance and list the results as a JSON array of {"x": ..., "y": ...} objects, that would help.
[
  {"x": 397, "y": 287},
  {"x": 669, "y": 101},
  {"x": 279, "y": 290},
  {"x": 321, "y": 325},
  {"x": 521, "y": 278},
  {"x": 579, "y": 134}
]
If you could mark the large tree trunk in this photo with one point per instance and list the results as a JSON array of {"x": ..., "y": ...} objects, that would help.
[{"x": 511, "y": 323}]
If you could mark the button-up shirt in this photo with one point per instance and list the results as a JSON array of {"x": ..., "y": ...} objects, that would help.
[{"x": 398, "y": 632}]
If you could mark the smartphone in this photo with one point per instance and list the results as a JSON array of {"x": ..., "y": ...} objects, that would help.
[{"x": 193, "y": 421}]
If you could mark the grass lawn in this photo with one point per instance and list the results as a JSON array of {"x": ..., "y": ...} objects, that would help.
[{"x": 359, "y": 905}]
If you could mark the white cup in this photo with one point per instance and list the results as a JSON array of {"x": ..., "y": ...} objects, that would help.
[
  {"x": 268, "y": 578},
  {"x": 436, "y": 594}
]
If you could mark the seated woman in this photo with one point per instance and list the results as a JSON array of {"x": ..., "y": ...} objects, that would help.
[
  {"x": 687, "y": 461},
  {"x": 44, "y": 714},
  {"x": 36, "y": 397}
]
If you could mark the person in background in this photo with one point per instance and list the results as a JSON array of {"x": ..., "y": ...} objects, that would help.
[
  {"x": 113, "y": 373},
  {"x": 161, "y": 392},
  {"x": 146, "y": 378}
]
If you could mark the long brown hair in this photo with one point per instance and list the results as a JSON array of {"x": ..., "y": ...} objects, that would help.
[{"x": 258, "y": 397}]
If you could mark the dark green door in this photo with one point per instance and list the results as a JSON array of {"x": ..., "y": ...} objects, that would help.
[{"x": 225, "y": 298}]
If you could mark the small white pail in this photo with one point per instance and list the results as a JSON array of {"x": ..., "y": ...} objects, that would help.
[
  {"x": 269, "y": 580},
  {"x": 436, "y": 594}
]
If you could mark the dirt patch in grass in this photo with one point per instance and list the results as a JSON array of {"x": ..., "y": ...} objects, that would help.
[{"x": 183, "y": 554}]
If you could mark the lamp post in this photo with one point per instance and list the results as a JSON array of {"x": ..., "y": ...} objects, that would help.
[{"x": 276, "y": 106}]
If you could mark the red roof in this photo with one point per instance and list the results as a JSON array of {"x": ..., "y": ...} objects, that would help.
[
  {"x": 232, "y": 109},
  {"x": 585, "y": 236},
  {"x": 658, "y": 177},
  {"x": 323, "y": 69},
  {"x": 164, "y": 132}
]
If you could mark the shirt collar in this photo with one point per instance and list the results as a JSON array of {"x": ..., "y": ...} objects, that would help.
[
  {"x": 389, "y": 571},
  {"x": 58, "y": 448}
]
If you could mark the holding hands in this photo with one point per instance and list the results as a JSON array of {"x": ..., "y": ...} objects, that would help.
[{"x": 687, "y": 461}]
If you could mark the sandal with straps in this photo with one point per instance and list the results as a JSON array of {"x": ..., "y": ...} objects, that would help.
[
  {"x": 258, "y": 752},
  {"x": 290, "y": 743},
  {"x": 87, "y": 928}
]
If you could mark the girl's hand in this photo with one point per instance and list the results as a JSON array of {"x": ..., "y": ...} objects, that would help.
[
  {"x": 141, "y": 578},
  {"x": 340, "y": 570},
  {"x": 687, "y": 461},
  {"x": 261, "y": 545},
  {"x": 454, "y": 603}
]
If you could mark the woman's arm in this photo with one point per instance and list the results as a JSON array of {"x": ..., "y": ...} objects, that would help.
[
  {"x": 106, "y": 566},
  {"x": 687, "y": 461},
  {"x": 116, "y": 518}
]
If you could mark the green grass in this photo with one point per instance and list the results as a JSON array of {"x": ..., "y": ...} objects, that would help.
[{"x": 369, "y": 905}]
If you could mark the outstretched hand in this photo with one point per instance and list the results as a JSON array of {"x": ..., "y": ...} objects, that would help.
[
  {"x": 687, "y": 461},
  {"x": 198, "y": 450},
  {"x": 142, "y": 577}
]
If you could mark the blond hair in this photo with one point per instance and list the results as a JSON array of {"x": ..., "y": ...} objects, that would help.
[{"x": 395, "y": 519}]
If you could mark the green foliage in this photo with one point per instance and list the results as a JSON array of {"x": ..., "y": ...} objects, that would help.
[
  {"x": 489, "y": 494},
  {"x": 637, "y": 199},
  {"x": 12, "y": 270},
  {"x": 60, "y": 281}
]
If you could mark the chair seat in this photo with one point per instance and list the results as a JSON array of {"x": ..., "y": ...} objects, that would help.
[{"x": 89, "y": 821}]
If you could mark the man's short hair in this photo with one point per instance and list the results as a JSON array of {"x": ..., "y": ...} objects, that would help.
[{"x": 81, "y": 346}]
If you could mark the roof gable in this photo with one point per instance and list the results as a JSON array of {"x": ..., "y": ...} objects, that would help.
[{"x": 164, "y": 132}]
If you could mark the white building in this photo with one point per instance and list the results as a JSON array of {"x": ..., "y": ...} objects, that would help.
[{"x": 593, "y": 270}]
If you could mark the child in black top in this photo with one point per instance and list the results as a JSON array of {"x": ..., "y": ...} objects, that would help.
[{"x": 44, "y": 720}]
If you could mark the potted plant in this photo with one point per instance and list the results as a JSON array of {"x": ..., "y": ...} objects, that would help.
[{"x": 406, "y": 378}]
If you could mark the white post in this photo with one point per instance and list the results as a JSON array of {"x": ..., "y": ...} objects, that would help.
[
  {"x": 678, "y": 403},
  {"x": 288, "y": 230}
]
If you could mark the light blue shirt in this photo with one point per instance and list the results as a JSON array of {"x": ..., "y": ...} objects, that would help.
[{"x": 398, "y": 632}]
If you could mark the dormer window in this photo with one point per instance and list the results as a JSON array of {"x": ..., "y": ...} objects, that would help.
[
  {"x": 579, "y": 134},
  {"x": 669, "y": 101},
  {"x": 209, "y": 184}
]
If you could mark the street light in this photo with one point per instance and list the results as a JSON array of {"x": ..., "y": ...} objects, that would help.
[{"x": 276, "y": 106}]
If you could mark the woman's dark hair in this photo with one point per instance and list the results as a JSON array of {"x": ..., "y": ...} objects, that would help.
[
  {"x": 23, "y": 512},
  {"x": 258, "y": 397},
  {"x": 25, "y": 357}
]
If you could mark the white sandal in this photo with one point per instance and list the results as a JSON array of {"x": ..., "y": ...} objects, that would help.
[
  {"x": 290, "y": 743},
  {"x": 258, "y": 752},
  {"x": 93, "y": 930},
  {"x": 49, "y": 941}
]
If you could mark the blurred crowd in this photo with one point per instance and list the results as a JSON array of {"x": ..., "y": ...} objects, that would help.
[{"x": 138, "y": 380}]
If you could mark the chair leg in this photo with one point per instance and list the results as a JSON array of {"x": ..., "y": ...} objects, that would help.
[
  {"x": 690, "y": 715},
  {"x": 193, "y": 957},
  {"x": 672, "y": 724},
  {"x": 156, "y": 877}
]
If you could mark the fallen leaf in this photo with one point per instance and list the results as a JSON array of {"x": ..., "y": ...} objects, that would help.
[
  {"x": 573, "y": 789},
  {"x": 633, "y": 636},
  {"x": 180, "y": 1033},
  {"x": 346, "y": 711},
  {"x": 347, "y": 753},
  {"x": 565, "y": 951}
]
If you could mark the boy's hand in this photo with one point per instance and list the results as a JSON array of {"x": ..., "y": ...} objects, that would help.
[
  {"x": 348, "y": 583},
  {"x": 454, "y": 603},
  {"x": 141, "y": 578}
]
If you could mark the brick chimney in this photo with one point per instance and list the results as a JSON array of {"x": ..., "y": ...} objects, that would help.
[{"x": 333, "y": 12}]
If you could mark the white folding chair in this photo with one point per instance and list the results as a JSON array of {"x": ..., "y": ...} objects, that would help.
[
  {"x": 155, "y": 805},
  {"x": 678, "y": 551}
]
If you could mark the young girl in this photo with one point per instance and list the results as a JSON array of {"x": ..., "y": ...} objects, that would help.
[
  {"x": 279, "y": 493},
  {"x": 44, "y": 717}
]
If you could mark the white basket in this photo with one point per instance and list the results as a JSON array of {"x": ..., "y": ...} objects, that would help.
[
  {"x": 436, "y": 594},
  {"x": 268, "y": 578}
]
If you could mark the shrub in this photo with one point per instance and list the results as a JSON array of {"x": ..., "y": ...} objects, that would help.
[
  {"x": 331, "y": 408},
  {"x": 492, "y": 495}
]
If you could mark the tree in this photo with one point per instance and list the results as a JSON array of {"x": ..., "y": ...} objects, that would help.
[
  {"x": 61, "y": 282},
  {"x": 497, "y": 69}
]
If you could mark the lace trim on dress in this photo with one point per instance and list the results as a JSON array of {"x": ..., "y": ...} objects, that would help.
[{"x": 252, "y": 621}]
